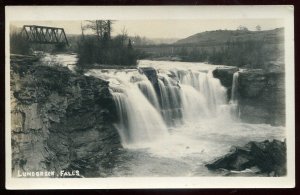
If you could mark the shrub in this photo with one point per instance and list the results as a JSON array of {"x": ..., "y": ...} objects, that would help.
[{"x": 107, "y": 51}]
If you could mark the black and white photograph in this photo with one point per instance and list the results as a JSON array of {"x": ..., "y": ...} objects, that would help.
[{"x": 149, "y": 96}]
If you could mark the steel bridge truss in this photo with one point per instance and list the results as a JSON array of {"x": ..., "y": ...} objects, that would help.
[{"x": 45, "y": 34}]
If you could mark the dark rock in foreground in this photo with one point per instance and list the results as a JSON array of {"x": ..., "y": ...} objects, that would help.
[{"x": 265, "y": 157}]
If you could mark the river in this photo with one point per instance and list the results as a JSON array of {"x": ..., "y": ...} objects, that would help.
[{"x": 175, "y": 132}]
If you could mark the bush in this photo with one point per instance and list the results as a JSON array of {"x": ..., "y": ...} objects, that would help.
[{"x": 107, "y": 51}]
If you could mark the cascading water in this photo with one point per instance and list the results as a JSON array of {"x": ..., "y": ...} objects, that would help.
[
  {"x": 194, "y": 93},
  {"x": 149, "y": 92},
  {"x": 234, "y": 92},
  {"x": 234, "y": 105},
  {"x": 185, "y": 95},
  {"x": 139, "y": 120},
  {"x": 170, "y": 99}
]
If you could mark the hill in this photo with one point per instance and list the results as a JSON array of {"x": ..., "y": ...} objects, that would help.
[{"x": 220, "y": 37}]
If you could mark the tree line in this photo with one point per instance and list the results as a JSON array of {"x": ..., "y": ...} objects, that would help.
[{"x": 248, "y": 53}]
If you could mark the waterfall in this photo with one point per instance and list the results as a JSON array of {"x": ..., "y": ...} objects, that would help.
[
  {"x": 137, "y": 106},
  {"x": 170, "y": 99},
  {"x": 148, "y": 90},
  {"x": 194, "y": 93},
  {"x": 139, "y": 120},
  {"x": 233, "y": 103},
  {"x": 186, "y": 95},
  {"x": 214, "y": 92},
  {"x": 234, "y": 93},
  {"x": 193, "y": 103}
]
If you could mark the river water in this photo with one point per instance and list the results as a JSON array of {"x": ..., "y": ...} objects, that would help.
[{"x": 175, "y": 132}]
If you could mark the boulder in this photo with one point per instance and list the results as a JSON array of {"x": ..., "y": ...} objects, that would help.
[
  {"x": 267, "y": 157},
  {"x": 150, "y": 74}
]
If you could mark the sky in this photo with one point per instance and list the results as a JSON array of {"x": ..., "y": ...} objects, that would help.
[{"x": 165, "y": 28}]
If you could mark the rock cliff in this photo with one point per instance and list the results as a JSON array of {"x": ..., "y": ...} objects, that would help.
[
  {"x": 261, "y": 94},
  {"x": 262, "y": 97},
  {"x": 61, "y": 120}
]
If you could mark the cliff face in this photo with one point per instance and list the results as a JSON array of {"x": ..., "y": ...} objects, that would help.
[
  {"x": 261, "y": 94},
  {"x": 262, "y": 97},
  {"x": 61, "y": 121}
]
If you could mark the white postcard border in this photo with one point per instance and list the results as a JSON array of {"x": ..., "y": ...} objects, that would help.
[{"x": 158, "y": 12}]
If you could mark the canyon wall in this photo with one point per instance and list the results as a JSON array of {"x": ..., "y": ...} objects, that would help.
[{"x": 61, "y": 121}]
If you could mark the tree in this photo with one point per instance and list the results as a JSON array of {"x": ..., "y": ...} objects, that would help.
[
  {"x": 103, "y": 49},
  {"x": 129, "y": 44},
  {"x": 258, "y": 28},
  {"x": 18, "y": 43}
]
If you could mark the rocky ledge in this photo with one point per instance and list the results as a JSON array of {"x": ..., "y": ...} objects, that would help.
[
  {"x": 255, "y": 158},
  {"x": 61, "y": 121}
]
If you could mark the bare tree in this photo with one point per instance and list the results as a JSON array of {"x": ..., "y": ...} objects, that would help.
[
  {"x": 109, "y": 28},
  {"x": 82, "y": 30},
  {"x": 101, "y": 28},
  {"x": 124, "y": 35}
]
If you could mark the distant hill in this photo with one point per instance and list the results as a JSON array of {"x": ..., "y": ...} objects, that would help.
[
  {"x": 220, "y": 37},
  {"x": 241, "y": 48}
]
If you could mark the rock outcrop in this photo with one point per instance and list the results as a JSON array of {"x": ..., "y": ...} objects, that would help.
[
  {"x": 262, "y": 97},
  {"x": 151, "y": 74},
  {"x": 225, "y": 74},
  {"x": 60, "y": 120},
  {"x": 262, "y": 157}
]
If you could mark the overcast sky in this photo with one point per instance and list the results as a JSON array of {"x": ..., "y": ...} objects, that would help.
[{"x": 165, "y": 28}]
